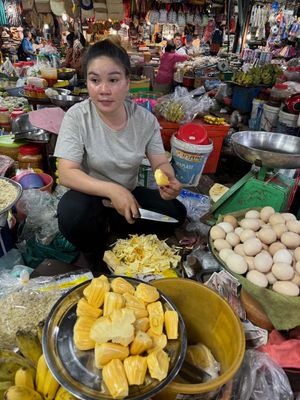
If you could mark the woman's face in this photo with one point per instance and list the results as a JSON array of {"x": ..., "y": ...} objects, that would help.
[{"x": 107, "y": 84}]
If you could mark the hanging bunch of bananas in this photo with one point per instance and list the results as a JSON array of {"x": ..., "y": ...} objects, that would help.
[
  {"x": 265, "y": 75},
  {"x": 171, "y": 110},
  {"x": 210, "y": 119},
  {"x": 27, "y": 376}
]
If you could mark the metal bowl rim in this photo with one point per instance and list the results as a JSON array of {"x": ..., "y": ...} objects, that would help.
[{"x": 19, "y": 194}]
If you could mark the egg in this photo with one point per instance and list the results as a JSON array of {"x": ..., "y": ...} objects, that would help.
[
  {"x": 296, "y": 280},
  {"x": 236, "y": 263},
  {"x": 290, "y": 239},
  {"x": 276, "y": 219},
  {"x": 283, "y": 271},
  {"x": 279, "y": 229},
  {"x": 293, "y": 226},
  {"x": 220, "y": 244},
  {"x": 248, "y": 223},
  {"x": 287, "y": 288},
  {"x": 297, "y": 254},
  {"x": 226, "y": 226},
  {"x": 224, "y": 253},
  {"x": 252, "y": 246},
  {"x": 257, "y": 278},
  {"x": 231, "y": 219},
  {"x": 275, "y": 247},
  {"x": 239, "y": 249},
  {"x": 250, "y": 262},
  {"x": 252, "y": 214},
  {"x": 217, "y": 233},
  {"x": 238, "y": 230},
  {"x": 283, "y": 256},
  {"x": 297, "y": 267},
  {"x": 232, "y": 238},
  {"x": 265, "y": 246},
  {"x": 247, "y": 234},
  {"x": 271, "y": 278},
  {"x": 263, "y": 262},
  {"x": 267, "y": 235},
  {"x": 288, "y": 216},
  {"x": 266, "y": 213}
]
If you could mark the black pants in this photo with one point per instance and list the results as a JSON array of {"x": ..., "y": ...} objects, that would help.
[{"x": 85, "y": 222}]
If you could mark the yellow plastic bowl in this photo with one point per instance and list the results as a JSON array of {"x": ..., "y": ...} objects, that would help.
[{"x": 209, "y": 319}]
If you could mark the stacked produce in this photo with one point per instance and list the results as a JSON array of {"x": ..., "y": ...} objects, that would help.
[
  {"x": 264, "y": 245},
  {"x": 265, "y": 75},
  {"x": 125, "y": 327},
  {"x": 210, "y": 119}
]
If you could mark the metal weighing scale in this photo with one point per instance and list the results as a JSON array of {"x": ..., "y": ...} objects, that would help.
[{"x": 264, "y": 185}]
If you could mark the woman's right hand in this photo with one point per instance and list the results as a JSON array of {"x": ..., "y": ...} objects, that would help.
[{"x": 125, "y": 203}]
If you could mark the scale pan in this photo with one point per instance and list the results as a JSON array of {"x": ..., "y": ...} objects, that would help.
[{"x": 268, "y": 149}]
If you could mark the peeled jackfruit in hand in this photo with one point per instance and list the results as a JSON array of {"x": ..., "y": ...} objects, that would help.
[{"x": 161, "y": 178}]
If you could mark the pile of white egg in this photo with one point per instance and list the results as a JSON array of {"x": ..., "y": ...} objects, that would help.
[{"x": 264, "y": 245}]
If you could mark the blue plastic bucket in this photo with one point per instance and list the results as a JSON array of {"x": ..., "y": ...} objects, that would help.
[
  {"x": 242, "y": 97},
  {"x": 189, "y": 160}
]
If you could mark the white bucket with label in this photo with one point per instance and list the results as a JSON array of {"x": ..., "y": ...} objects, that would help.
[
  {"x": 189, "y": 160},
  {"x": 287, "y": 123},
  {"x": 255, "y": 104},
  {"x": 269, "y": 118}
]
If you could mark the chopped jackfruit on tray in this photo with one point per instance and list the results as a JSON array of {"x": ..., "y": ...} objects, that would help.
[{"x": 142, "y": 254}]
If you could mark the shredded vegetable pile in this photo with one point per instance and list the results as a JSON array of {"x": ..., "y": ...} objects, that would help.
[{"x": 142, "y": 254}]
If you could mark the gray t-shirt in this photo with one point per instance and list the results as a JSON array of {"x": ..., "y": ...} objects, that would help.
[{"x": 104, "y": 153}]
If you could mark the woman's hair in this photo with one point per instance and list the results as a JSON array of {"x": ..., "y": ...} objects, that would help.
[
  {"x": 170, "y": 47},
  {"x": 70, "y": 38},
  {"x": 107, "y": 48}
]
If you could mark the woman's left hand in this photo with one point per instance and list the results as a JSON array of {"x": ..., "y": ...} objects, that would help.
[{"x": 172, "y": 190}]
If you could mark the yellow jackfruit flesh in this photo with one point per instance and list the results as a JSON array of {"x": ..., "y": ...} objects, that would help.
[
  {"x": 158, "y": 364},
  {"x": 120, "y": 285},
  {"x": 147, "y": 293},
  {"x": 96, "y": 290},
  {"x": 114, "y": 377},
  {"x": 84, "y": 309},
  {"x": 158, "y": 340},
  {"x": 142, "y": 324},
  {"x": 81, "y": 333},
  {"x": 161, "y": 178},
  {"x": 112, "y": 301},
  {"x": 171, "y": 324},
  {"x": 105, "y": 352},
  {"x": 101, "y": 330},
  {"x": 135, "y": 369},
  {"x": 156, "y": 317},
  {"x": 141, "y": 343}
]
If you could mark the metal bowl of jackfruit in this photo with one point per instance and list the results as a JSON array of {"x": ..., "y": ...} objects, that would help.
[{"x": 114, "y": 337}]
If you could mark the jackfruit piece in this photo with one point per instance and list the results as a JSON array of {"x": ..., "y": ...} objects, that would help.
[
  {"x": 138, "y": 312},
  {"x": 156, "y": 317},
  {"x": 96, "y": 290},
  {"x": 111, "y": 260},
  {"x": 171, "y": 324},
  {"x": 122, "y": 331},
  {"x": 141, "y": 343},
  {"x": 158, "y": 340},
  {"x": 105, "y": 352},
  {"x": 101, "y": 330},
  {"x": 158, "y": 364},
  {"x": 161, "y": 178},
  {"x": 120, "y": 285},
  {"x": 147, "y": 293},
  {"x": 135, "y": 369},
  {"x": 136, "y": 304},
  {"x": 81, "y": 333},
  {"x": 141, "y": 324},
  {"x": 84, "y": 309},
  {"x": 112, "y": 301},
  {"x": 114, "y": 377}
]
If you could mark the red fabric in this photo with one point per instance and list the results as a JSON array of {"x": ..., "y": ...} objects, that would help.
[
  {"x": 166, "y": 68},
  {"x": 286, "y": 352}
]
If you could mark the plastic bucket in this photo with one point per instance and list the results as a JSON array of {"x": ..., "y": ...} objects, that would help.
[
  {"x": 47, "y": 180},
  {"x": 209, "y": 319},
  {"x": 287, "y": 123},
  {"x": 189, "y": 160},
  {"x": 269, "y": 118},
  {"x": 255, "y": 104}
]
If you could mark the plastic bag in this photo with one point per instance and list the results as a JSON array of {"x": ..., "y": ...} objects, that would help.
[
  {"x": 27, "y": 304},
  {"x": 196, "y": 204},
  {"x": 259, "y": 378}
]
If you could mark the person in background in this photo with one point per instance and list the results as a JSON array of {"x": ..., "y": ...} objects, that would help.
[
  {"x": 177, "y": 41},
  {"x": 188, "y": 49},
  {"x": 164, "y": 76},
  {"x": 26, "y": 50},
  {"x": 69, "y": 53},
  {"x": 79, "y": 51},
  {"x": 100, "y": 147}
]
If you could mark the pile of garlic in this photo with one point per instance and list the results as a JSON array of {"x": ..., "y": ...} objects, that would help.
[{"x": 263, "y": 245}]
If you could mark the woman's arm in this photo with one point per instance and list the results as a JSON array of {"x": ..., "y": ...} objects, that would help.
[{"x": 172, "y": 190}]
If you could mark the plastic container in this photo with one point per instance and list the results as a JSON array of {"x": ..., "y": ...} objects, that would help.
[
  {"x": 256, "y": 104},
  {"x": 47, "y": 180},
  {"x": 188, "y": 160},
  {"x": 269, "y": 118},
  {"x": 287, "y": 123},
  {"x": 193, "y": 134},
  {"x": 208, "y": 319},
  {"x": 30, "y": 157},
  {"x": 5, "y": 119},
  {"x": 8, "y": 147},
  {"x": 242, "y": 97},
  {"x": 50, "y": 74},
  {"x": 279, "y": 93}
]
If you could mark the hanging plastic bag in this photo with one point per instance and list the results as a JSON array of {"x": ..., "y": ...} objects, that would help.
[{"x": 259, "y": 378}]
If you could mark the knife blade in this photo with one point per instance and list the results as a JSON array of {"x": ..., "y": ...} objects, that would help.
[{"x": 147, "y": 214}]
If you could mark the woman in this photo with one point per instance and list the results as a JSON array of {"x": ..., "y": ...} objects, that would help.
[
  {"x": 78, "y": 54},
  {"x": 164, "y": 77},
  {"x": 69, "y": 53},
  {"x": 100, "y": 147}
]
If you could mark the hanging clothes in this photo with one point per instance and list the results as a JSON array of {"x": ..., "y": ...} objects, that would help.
[{"x": 3, "y": 19}]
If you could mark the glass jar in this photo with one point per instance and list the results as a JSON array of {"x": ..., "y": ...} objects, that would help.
[
  {"x": 4, "y": 119},
  {"x": 30, "y": 156}
]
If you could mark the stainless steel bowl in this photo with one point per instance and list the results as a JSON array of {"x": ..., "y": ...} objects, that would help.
[
  {"x": 65, "y": 101},
  {"x": 268, "y": 149},
  {"x": 23, "y": 129},
  {"x": 18, "y": 195}
]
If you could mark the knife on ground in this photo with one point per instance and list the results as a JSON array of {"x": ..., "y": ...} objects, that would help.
[{"x": 147, "y": 214}]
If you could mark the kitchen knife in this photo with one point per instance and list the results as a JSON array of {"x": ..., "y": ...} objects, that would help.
[{"x": 147, "y": 214}]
